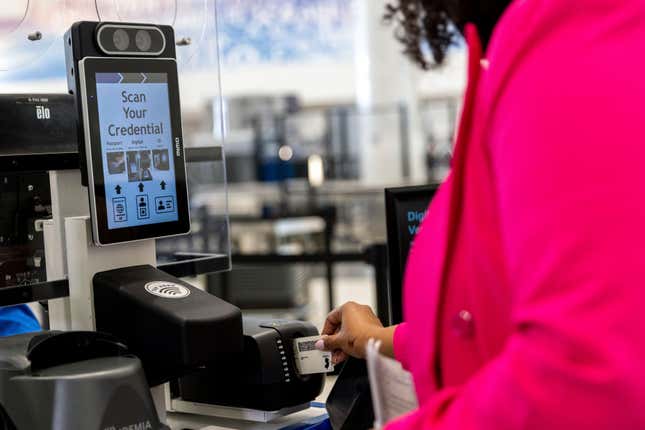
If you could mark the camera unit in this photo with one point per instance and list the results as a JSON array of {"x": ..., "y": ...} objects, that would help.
[
  {"x": 136, "y": 40},
  {"x": 113, "y": 39}
]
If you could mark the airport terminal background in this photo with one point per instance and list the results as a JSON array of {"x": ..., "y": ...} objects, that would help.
[
  {"x": 317, "y": 111},
  {"x": 310, "y": 124}
]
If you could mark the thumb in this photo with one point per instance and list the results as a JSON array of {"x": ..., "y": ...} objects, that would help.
[{"x": 330, "y": 342}]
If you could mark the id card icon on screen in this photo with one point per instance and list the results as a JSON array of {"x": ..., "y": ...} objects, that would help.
[
  {"x": 143, "y": 209},
  {"x": 164, "y": 204}
]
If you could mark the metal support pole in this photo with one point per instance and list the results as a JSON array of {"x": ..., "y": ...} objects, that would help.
[
  {"x": 329, "y": 215},
  {"x": 404, "y": 132},
  {"x": 69, "y": 199},
  {"x": 377, "y": 258}
]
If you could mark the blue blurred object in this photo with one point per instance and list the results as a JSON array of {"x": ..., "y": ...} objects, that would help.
[
  {"x": 17, "y": 320},
  {"x": 275, "y": 170},
  {"x": 318, "y": 423}
]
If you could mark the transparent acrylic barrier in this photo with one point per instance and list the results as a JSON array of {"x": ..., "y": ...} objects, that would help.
[
  {"x": 191, "y": 19},
  {"x": 439, "y": 118},
  {"x": 206, "y": 248},
  {"x": 31, "y": 43},
  {"x": 32, "y": 61},
  {"x": 28, "y": 28}
]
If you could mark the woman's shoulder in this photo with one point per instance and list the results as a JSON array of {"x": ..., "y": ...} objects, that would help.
[
  {"x": 555, "y": 36},
  {"x": 566, "y": 75}
]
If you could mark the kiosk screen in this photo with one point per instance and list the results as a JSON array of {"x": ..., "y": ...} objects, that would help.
[{"x": 137, "y": 149}]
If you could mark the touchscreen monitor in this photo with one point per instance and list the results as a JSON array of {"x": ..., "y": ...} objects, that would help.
[
  {"x": 134, "y": 149},
  {"x": 136, "y": 144}
]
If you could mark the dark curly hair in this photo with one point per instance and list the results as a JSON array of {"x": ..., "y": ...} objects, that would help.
[{"x": 432, "y": 26}]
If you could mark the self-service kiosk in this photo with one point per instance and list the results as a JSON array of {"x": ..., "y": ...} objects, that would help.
[{"x": 128, "y": 326}]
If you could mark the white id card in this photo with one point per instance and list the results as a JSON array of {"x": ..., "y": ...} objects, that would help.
[{"x": 308, "y": 359}]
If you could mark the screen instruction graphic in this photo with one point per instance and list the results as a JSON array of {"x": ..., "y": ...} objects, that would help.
[
  {"x": 410, "y": 215},
  {"x": 136, "y": 145}
]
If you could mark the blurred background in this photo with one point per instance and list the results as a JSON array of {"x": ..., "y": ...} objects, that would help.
[{"x": 317, "y": 111}]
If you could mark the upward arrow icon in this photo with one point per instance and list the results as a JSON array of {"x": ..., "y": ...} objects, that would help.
[
  {"x": 163, "y": 185},
  {"x": 118, "y": 189},
  {"x": 140, "y": 187}
]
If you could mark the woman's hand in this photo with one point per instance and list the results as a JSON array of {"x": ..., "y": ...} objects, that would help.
[{"x": 347, "y": 330}]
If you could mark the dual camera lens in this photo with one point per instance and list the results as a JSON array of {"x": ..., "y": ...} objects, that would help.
[
  {"x": 121, "y": 39},
  {"x": 142, "y": 39},
  {"x": 115, "y": 39}
]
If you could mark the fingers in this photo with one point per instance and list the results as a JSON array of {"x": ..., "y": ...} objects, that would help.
[
  {"x": 320, "y": 345},
  {"x": 333, "y": 321},
  {"x": 338, "y": 357},
  {"x": 334, "y": 336},
  {"x": 332, "y": 342}
]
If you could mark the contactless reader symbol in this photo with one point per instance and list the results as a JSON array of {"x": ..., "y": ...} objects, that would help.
[
  {"x": 143, "y": 209},
  {"x": 167, "y": 290}
]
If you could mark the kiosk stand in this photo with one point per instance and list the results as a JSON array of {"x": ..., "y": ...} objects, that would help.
[{"x": 70, "y": 253}]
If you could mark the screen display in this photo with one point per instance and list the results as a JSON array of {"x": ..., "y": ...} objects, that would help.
[
  {"x": 136, "y": 148},
  {"x": 410, "y": 214}
]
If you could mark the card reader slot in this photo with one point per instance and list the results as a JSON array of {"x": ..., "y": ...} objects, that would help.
[{"x": 288, "y": 332}]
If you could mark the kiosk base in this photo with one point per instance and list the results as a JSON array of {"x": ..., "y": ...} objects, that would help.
[{"x": 244, "y": 414}]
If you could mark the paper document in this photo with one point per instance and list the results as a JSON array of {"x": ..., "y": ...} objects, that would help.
[{"x": 392, "y": 387}]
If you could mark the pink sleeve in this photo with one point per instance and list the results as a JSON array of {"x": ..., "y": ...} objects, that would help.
[
  {"x": 567, "y": 149},
  {"x": 400, "y": 343}
]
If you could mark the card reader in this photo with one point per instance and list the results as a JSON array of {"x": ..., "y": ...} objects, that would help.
[
  {"x": 173, "y": 327},
  {"x": 263, "y": 377}
]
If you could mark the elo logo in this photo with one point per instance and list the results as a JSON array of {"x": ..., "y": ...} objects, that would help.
[
  {"x": 42, "y": 112},
  {"x": 167, "y": 290}
]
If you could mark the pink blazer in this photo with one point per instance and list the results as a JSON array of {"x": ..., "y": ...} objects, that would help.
[{"x": 525, "y": 290}]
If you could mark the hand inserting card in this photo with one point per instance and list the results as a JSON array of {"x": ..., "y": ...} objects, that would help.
[{"x": 310, "y": 360}]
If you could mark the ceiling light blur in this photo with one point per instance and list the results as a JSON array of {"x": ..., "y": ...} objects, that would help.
[{"x": 285, "y": 153}]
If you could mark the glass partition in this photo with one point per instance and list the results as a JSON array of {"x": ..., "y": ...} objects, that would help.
[
  {"x": 206, "y": 248},
  {"x": 28, "y": 28}
]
